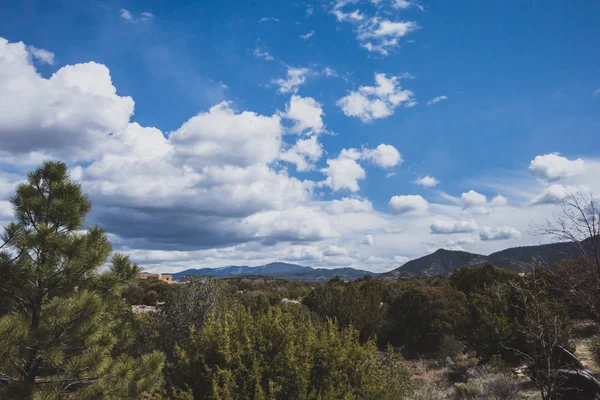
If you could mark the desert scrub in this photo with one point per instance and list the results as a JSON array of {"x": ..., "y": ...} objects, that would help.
[{"x": 595, "y": 348}]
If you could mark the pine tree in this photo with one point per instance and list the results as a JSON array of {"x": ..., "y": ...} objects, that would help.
[{"x": 63, "y": 327}]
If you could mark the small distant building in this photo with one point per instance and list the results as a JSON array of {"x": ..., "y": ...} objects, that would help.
[{"x": 159, "y": 277}]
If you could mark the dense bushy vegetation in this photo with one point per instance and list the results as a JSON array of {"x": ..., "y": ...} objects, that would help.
[
  {"x": 68, "y": 331},
  {"x": 149, "y": 292}
]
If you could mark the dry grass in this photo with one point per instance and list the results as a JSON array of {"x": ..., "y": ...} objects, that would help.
[
  {"x": 583, "y": 332},
  {"x": 432, "y": 382}
]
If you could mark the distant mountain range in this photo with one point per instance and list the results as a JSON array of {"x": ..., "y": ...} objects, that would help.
[
  {"x": 278, "y": 270},
  {"x": 519, "y": 259},
  {"x": 442, "y": 262}
]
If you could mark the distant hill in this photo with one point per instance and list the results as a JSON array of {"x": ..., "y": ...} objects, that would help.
[
  {"x": 278, "y": 270},
  {"x": 443, "y": 262}
]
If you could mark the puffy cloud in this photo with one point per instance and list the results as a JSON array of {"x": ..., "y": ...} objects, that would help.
[
  {"x": 222, "y": 136},
  {"x": 374, "y": 102},
  {"x": 301, "y": 253},
  {"x": 306, "y": 113},
  {"x": 477, "y": 203},
  {"x": 368, "y": 240},
  {"x": 473, "y": 199},
  {"x": 303, "y": 153},
  {"x": 375, "y": 33},
  {"x": 71, "y": 114},
  {"x": 499, "y": 201},
  {"x": 499, "y": 233},
  {"x": 343, "y": 173},
  {"x": 437, "y": 100},
  {"x": 553, "y": 167},
  {"x": 384, "y": 156},
  {"x": 427, "y": 181},
  {"x": 450, "y": 227},
  {"x": 408, "y": 204},
  {"x": 382, "y": 35},
  {"x": 554, "y": 194},
  {"x": 348, "y": 205},
  {"x": 294, "y": 78},
  {"x": 298, "y": 224}
]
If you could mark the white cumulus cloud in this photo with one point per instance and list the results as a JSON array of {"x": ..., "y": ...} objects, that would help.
[
  {"x": 405, "y": 204},
  {"x": 73, "y": 112},
  {"x": 208, "y": 138},
  {"x": 499, "y": 201},
  {"x": 374, "y": 102},
  {"x": 552, "y": 167},
  {"x": 473, "y": 199},
  {"x": 343, "y": 173},
  {"x": 304, "y": 153},
  {"x": 384, "y": 156},
  {"x": 306, "y": 113},
  {"x": 427, "y": 181},
  {"x": 347, "y": 205},
  {"x": 294, "y": 78},
  {"x": 451, "y": 227},
  {"x": 499, "y": 233},
  {"x": 554, "y": 194}
]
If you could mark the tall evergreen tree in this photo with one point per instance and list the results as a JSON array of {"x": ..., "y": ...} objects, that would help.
[{"x": 63, "y": 327}]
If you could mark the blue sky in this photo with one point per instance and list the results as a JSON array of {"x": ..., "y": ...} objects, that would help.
[{"x": 256, "y": 179}]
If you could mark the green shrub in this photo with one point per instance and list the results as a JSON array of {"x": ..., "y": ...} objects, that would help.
[
  {"x": 503, "y": 388},
  {"x": 283, "y": 354},
  {"x": 472, "y": 389},
  {"x": 450, "y": 347},
  {"x": 357, "y": 304},
  {"x": 421, "y": 315},
  {"x": 595, "y": 348},
  {"x": 486, "y": 385}
]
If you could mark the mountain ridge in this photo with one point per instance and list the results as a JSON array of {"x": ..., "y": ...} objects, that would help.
[
  {"x": 278, "y": 270},
  {"x": 441, "y": 262},
  {"x": 519, "y": 259}
]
